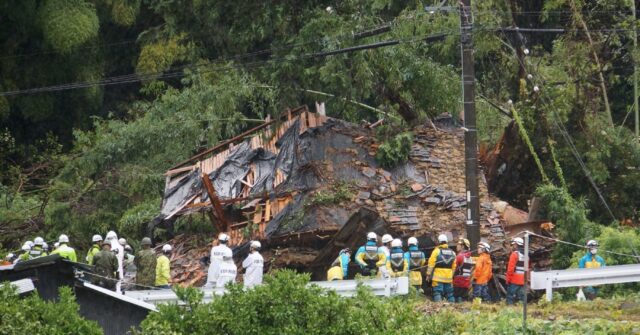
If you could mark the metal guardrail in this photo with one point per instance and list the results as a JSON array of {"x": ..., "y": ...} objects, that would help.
[
  {"x": 616, "y": 274},
  {"x": 347, "y": 288},
  {"x": 23, "y": 285}
]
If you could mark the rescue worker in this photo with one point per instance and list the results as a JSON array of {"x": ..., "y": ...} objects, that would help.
[
  {"x": 163, "y": 268},
  {"x": 416, "y": 261},
  {"x": 385, "y": 248},
  {"x": 145, "y": 262},
  {"x": 515, "y": 272},
  {"x": 122, "y": 241},
  {"x": 118, "y": 250},
  {"x": 369, "y": 257},
  {"x": 95, "y": 248},
  {"x": 24, "y": 255},
  {"x": 442, "y": 263},
  {"x": 35, "y": 251},
  {"x": 464, "y": 269},
  {"x": 45, "y": 247},
  {"x": 55, "y": 246},
  {"x": 227, "y": 270},
  {"x": 105, "y": 265},
  {"x": 253, "y": 266},
  {"x": 8, "y": 259},
  {"x": 397, "y": 265},
  {"x": 64, "y": 250},
  {"x": 590, "y": 261},
  {"x": 339, "y": 269},
  {"x": 217, "y": 253},
  {"x": 129, "y": 267},
  {"x": 482, "y": 273}
]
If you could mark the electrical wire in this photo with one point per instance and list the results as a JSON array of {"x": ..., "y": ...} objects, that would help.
[
  {"x": 132, "y": 78},
  {"x": 581, "y": 246}
]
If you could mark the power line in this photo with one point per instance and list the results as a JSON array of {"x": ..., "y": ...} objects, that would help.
[{"x": 132, "y": 78}]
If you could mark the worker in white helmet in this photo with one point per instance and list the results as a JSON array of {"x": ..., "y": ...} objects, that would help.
[
  {"x": 416, "y": 260},
  {"x": 163, "y": 268},
  {"x": 117, "y": 249},
  {"x": 8, "y": 259},
  {"x": 227, "y": 270},
  {"x": 591, "y": 261},
  {"x": 95, "y": 248},
  {"x": 24, "y": 256},
  {"x": 64, "y": 250},
  {"x": 369, "y": 257},
  {"x": 397, "y": 265},
  {"x": 217, "y": 253},
  {"x": 385, "y": 248},
  {"x": 253, "y": 266},
  {"x": 37, "y": 250},
  {"x": 441, "y": 265}
]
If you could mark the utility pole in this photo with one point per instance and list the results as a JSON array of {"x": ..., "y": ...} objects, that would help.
[
  {"x": 635, "y": 71},
  {"x": 470, "y": 131}
]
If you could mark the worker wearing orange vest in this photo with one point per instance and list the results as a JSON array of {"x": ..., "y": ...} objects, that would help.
[
  {"x": 515, "y": 272},
  {"x": 482, "y": 273}
]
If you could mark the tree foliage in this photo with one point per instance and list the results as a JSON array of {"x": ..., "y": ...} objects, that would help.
[{"x": 33, "y": 315}]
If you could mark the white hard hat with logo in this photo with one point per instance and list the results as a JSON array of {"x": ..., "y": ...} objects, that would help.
[
  {"x": 223, "y": 237},
  {"x": 256, "y": 244},
  {"x": 412, "y": 241},
  {"x": 396, "y": 243},
  {"x": 96, "y": 238},
  {"x": 371, "y": 236},
  {"x": 38, "y": 241},
  {"x": 166, "y": 248},
  {"x": 442, "y": 238},
  {"x": 386, "y": 238},
  {"x": 63, "y": 239}
]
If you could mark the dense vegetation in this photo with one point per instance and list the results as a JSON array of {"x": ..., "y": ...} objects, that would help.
[
  {"x": 33, "y": 315},
  {"x": 156, "y": 81},
  {"x": 285, "y": 305}
]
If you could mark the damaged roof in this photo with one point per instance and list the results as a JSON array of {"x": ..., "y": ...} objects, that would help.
[{"x": 309, "y": 185}]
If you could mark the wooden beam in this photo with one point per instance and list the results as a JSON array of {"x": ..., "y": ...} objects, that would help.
[
  {"x": 179, "y": 170},
  {"x": 241, "y": 136},
  {"x": 217, "y": 207}
]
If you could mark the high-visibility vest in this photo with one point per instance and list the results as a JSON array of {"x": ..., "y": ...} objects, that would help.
[
  {"x": 397, "y": 261},
  {"x": 415, "y": 260},
  {"x": 445, "y": 258}
]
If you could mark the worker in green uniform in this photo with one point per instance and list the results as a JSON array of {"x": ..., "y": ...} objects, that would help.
[
  {"x": 95, "y": 248},
  {"x": 106, "y": 267},
  {"x": 145, "y": 262}
]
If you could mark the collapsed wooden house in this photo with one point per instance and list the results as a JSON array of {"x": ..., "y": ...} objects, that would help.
[{"x": 307, "y": 185}]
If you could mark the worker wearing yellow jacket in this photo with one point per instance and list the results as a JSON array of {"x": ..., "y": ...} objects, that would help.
[
  {"x": 397, "y": 265},
  {"x": 441, "y": 266},
  {"x": 340, "y": 267},
  {"x": 416, "y": 260},
  {"x": 163, "y": 268},
  {"x": 64, "y": 250},
  {"x": 369, "y": 257}
]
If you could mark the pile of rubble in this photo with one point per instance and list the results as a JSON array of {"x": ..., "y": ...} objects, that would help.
[{"x": 309, "y": 185}]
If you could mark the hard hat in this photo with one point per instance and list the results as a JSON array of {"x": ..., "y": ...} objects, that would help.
[
  {"x": 386, "y": 238},
  {"x": 396, "y": 243},
  {"x": 9, "y": 256},
  {"x": 96, "y": 238},
  {"x": 128, "y": 248},
  {"x": 29, "y": 243},
  {"x": 592, "y": 243},
  {"x": 256, "y": 244},
  {"x": 146, "y": 241},
  {"x": 465, "y": 242},
  {"x": 484, "y": 246},
  {"x": 412, "y": 241},
  {"x": 45, "y": 246},
  {"x": 38, "y": 241},
  {"x": 166, "y": 248},
  {"x": 371, "y": 236},
  {"x": 442, "y": 238},
  {"x": 518, "y": 241},
  {"x": 57, "y": 244},
  {"x": 111, "y": 235},
  {"x": 122, "y": 241},
  {"x": 223, "y": 237},
  {"x": 63, "y": 239},
  {"x": 26, "y": 247}
]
